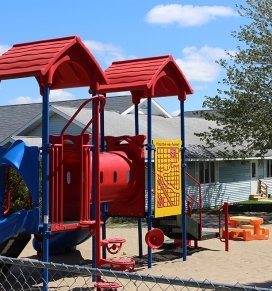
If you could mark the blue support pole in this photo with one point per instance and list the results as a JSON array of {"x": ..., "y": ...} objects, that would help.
[
  {"x": 136, "y": 112},
  {"x": 45, "y": 182},
  {"x": 183, "y": 179},
  {"x": 93, "y": 208},
  {"x": 104, "y": 205},
  {"x": 140, "y": 226},
  {"x": 149, "y": 173}
]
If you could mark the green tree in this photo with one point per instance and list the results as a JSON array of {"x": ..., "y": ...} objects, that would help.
[
  {"x": 242, "y": 108},
  {"x": 19, "y": 192}
]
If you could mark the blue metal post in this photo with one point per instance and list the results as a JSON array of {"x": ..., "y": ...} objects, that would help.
[
  {"x": 140, "y": 226},
  {"x": 93, "y": 209},
  {"x": 96, "y": 182},
  {"x": 45, "y": 182},
  {"x": 183, "y": 179},
  {"x": 136, "y": 112},
  {"x": 149, "y": 173},
  {"x": 104, "y": 205}
]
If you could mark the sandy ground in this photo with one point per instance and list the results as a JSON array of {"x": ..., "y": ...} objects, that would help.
[{"x": 249, "y": 263}]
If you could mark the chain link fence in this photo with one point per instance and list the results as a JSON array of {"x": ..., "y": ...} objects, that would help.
[{"x": 27, "y": 274}]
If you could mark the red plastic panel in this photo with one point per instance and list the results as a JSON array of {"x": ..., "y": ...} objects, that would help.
[
  {"x": 115, "y": 176},
  {"x": 121, "y": 177},
  {"x": 134, "y": 204},
  {"x": 69, "y": 189}
]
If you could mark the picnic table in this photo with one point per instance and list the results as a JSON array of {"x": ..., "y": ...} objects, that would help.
[{"x": 247, "y": 228}]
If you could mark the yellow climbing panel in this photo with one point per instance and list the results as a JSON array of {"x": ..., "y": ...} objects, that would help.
[{"x": 168, "y": 179}]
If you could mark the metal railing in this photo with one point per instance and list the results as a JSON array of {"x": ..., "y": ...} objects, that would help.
[
  {"x": 197, "y": 201},
  {"x": 262, "y": 189}
]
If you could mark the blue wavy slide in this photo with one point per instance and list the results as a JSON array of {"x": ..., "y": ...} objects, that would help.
[
  {"x": 61, "y": 242},
  {"x": 19, "y": 226},
  {"x": 23, "y": 222}
]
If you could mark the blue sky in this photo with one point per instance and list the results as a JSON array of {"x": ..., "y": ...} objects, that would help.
[{"x": 195, "y": 33}]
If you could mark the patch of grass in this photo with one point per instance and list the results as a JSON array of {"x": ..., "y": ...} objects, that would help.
[
  {"x": 114, "y": 222},
  {"x": 253, "y": 202},
  {"x": 213, "y": 210}
]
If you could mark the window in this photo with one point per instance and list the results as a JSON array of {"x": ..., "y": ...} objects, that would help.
[
  {"x": 268, "y": 164},
  {"x": 206, "y": 172},
  {"x": 253, "y": 170}
]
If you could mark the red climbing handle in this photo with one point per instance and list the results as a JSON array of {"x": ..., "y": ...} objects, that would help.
[
  {"x": 100, "y": 97},
  {"x": 113, "y": 245}
]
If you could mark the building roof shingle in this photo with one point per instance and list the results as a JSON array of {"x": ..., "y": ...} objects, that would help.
[{"x": 13, "y": 117}]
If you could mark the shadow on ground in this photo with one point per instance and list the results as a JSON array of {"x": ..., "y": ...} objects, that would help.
[{"x": 165, "y": 256}]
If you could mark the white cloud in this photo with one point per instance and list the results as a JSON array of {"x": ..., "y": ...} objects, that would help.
[
  {"x": 187, "y": 15},
  {"x": 3, "y": 48},
  {"x": 176, "y": 112},
  {"x": 199, "y": 64},
  {"x": 122, "y": 93},
  {"x": 107, "y": 51},
  {"x": 55, "y": 95},
  {"x": 61, "y": 95},
  {"x": 24, "y": 100}
]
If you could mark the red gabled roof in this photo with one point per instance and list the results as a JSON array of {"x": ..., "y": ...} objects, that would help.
[
  {"x": 148, "y": 77},
  {"x": 62, "y": 63}
]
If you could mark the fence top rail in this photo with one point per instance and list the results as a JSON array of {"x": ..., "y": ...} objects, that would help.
[{"x": 85, "y": 270}]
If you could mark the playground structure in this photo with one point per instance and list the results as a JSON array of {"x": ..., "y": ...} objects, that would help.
[{"x": 89, "y": 177}]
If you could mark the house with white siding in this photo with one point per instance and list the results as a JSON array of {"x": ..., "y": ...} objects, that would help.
[{"x": 221, "y": 180}]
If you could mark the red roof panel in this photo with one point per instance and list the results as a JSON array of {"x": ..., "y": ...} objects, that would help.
[
  {"x": 62, "y": 63},
  {"x": 148, "y": 77}
]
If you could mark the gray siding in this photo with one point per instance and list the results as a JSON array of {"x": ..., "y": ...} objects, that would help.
[
  {"x": 234, "y": 171},
  {"x": 57, "y": 123},
  {"x": 216, "y": 194},
  {"x": 233, "y": 181}
]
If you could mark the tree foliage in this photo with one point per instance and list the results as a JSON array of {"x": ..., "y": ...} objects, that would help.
[
  {"x": 242, "y": 108},
  {"x": 19, "y": 192}
]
